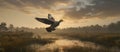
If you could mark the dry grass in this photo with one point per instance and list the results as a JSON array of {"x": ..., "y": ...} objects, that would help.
[{"x": 105, "y": 39}]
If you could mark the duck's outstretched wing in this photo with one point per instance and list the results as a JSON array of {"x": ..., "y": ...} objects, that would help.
[
  {"x": 44, "y": 20},
  {"x": 51, "y": 18}
]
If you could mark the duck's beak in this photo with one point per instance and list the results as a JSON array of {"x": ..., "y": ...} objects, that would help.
[{"x": 36, "y": 18}]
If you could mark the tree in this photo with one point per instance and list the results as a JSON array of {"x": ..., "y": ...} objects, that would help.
[
  {"x": 11, "y": 27},
  {"x": 3, "y": 26},
  {"x": 118, "y": 26}
]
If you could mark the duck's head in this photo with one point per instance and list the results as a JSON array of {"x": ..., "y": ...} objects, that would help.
[
  {"x": 61, "y": 20},
  {"x": 49, "y": 14}
]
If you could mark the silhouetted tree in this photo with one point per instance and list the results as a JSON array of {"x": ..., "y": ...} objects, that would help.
[
  {"x": 118, "y": 26},
  {"x": 17, "y": 29},
  {"x": 112, "y": 27},
  {"x": 11, "y": 27},
  {"x": 3, "y": 26}
]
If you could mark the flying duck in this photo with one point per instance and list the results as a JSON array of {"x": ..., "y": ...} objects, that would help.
[{"x": 50, "y": 21}]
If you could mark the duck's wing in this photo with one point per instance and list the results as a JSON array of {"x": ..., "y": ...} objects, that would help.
[
  {"x": 51, "y": 18},
  {"x": 44, "y": 20}
]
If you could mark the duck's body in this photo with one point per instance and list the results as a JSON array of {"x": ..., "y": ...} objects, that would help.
[
  {"x": 50, "y": 21},
  {"x": 53, "y": 26}
]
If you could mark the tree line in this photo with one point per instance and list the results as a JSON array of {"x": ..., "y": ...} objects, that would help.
[{"x": 112, "y": 27}]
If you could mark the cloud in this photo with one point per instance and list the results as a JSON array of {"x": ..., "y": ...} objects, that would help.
[
  {"x": 107, "y": 8},
  {"x": 99, "y": 8},
  {"x": 23, "y": 4},
  {"x": 74, "y": 9},
  {"x": 33, "y": 3}
]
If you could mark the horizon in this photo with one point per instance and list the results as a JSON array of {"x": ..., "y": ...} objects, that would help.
[{"x": 8, "y": 25}]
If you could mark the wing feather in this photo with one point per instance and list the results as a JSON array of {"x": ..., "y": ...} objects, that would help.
[{"x": 44, "y": 20}]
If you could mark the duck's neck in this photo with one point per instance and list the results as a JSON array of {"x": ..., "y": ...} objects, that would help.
[{"x": 59, "y": 21}]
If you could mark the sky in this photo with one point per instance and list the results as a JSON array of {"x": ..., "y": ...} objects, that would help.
[{"x": 75, "y": 13}]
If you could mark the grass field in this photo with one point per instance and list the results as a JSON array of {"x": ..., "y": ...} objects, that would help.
[
  {"x": 19, "y": 42},
  {"x": 105, "y": 39}
]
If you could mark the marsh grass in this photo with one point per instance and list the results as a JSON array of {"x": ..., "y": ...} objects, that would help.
[{"x": 17, "y": 41}]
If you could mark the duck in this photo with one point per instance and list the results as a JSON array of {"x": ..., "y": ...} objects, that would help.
[{"x": 50, "y": 21}]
